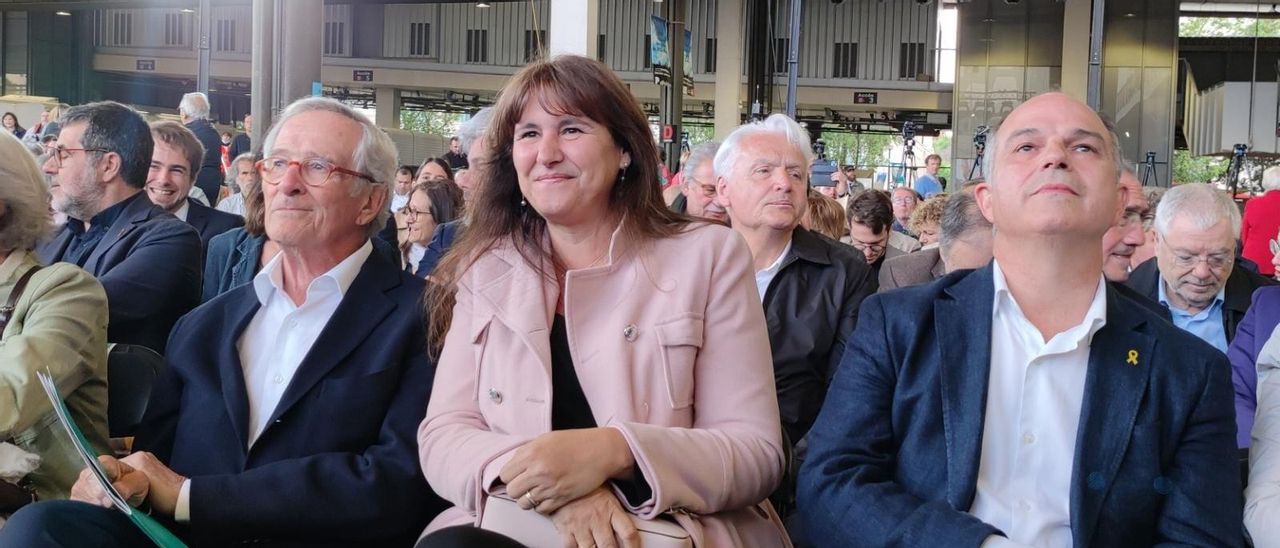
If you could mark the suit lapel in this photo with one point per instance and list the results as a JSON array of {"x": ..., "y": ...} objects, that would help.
[
  {"x": 963, "y": 322},
  {"x": 520, "y": 298},
  {"x": 362, "y": 309},
  {"x": 1235, "y": 301},
  {"x": 1113, "y": 391},
  {"x": 230, "y": 369},
  {"x": 197, "y": 216},
  {"x": 136, "y": 213}
]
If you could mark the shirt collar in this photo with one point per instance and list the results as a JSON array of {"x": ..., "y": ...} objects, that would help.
[
  {"x": 777, "y": 263},
  {"x": 271, "y": 279},
  {"x": 181, "y": 213},
  {"x": 1094, "y": 318},
  {"x": 1163, "y": 297}
]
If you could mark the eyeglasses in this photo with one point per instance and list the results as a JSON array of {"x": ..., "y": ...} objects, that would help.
[
  {"x": 874, "y": 248},
  {"x": 414, "y": 214},
  {"x": 59, "y": 153},
  {"x": 707, "y": 190},
  {"x": 1215, "y": 262},
  {"x": 314, "y": 171}
]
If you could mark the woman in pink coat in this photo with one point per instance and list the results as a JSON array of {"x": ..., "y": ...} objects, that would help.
[{"x": 603, "y": 358}]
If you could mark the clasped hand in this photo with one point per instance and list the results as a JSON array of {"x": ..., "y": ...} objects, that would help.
[
  {"x": 559, "y": 467},
  {"x": 138, "y": 477}
]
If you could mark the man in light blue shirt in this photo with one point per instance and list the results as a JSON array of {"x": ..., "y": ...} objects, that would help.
[
  {"x": 927, "y": 184},
  {"x": 1205, "y": 324}
]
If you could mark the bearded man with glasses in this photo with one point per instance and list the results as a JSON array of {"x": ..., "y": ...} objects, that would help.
[
  {"x": 147, "y": 260},
  {"x": 1193, "y": 276}
]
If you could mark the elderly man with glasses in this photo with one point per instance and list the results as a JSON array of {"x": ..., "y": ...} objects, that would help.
[
  {"x": 147, "y": 260},
  {"x": 1193, "y": 276},
  {"x": 699, "y": 185},
  {"x": 288, "y": 408}
]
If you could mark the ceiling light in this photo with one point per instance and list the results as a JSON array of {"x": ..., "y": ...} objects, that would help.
[
  {"x": 63, "y": 13},
  {"x": 482, "y": 5},
  {"x": 187, "y": 10}
]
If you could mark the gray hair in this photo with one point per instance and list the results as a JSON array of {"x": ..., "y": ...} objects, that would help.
[
  {"x": 474, "y": 128},
  {"x": 1271, "y": 178},
  {"x": 24, "y": 198},
  {"x": 194, "y": 105},
  {"x": 989, "y": 156},
  {"x": 1203, "y": 205},
  {"x": 960, "y": 217},
  {"x": 232, "y": 173},
  {"x": 375, "y": 154},
  {"x": 779, "y": 124},
  {"x": 698, "y": 155}
]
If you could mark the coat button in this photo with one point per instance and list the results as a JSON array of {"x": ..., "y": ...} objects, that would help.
[
  {"x": 629, "y": 332},
  {"x": 495, "y": 396}
]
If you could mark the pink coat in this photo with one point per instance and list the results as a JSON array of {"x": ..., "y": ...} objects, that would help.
[{"x": 657, "y": 333}]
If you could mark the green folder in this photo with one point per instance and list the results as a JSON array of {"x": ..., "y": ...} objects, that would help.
[{"x": 158, "y": 534}]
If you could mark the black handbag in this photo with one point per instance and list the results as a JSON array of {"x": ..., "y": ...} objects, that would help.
[{"x": 14, "y": 495}]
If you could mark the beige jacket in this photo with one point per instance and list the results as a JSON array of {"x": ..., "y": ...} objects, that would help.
[{"x": 60, "y": 325}]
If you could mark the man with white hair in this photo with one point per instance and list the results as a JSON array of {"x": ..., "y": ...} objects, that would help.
[
  {"x": 1027, "y": 403},
  {"x": 288, "y": 408},
  {"x": 1193, "y": 276},
  {"x": 1262, "y": 222},
  {"x": 1127, "y": 234},
  {"x": 810, "y": 286},
  {"x": 472, "y": 136},
  {"x": 194, "y": 111},
  {"x": 699, "y": 183}
]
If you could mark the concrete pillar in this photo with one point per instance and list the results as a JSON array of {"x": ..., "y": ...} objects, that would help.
[
  {"x": 388, "y": 107},
  {"x": 575, "y": 27},
  {"x": 1076, "y": 25},
  {"x": 728, "y": 96},
  {"x": 301, "y": 35},
  {"x": 262, "y": 69}
]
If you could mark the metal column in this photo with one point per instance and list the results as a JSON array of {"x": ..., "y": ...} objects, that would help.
[
  {"x": 205, "y": 22},
  {"x": 1095, "y": 54}
]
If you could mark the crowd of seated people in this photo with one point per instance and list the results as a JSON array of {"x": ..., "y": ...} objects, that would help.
[{"x": 527, "y": 345}]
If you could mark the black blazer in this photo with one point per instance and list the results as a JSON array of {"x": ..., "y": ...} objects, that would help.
[
  {"x": 811, "y": 308},
  {"x": 894, "y": 457},
  {"x": 338, "y": 463},
  {"x": 210, "y": 222},
  {"x": 209, "y": 178},
  {"x": 1235, "y": 300},
  {"x": 149, "y": 264}
]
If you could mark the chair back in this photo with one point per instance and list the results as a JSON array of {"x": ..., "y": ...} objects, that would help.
[{"x": 131, "y": 371}]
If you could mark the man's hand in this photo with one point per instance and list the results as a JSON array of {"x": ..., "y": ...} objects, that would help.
[
  {"x": 164, "y": 483},
  {"x": 558, "y": 467},
  {"x": 596, "y": 521},
  {"x": 132, "y": 485}
]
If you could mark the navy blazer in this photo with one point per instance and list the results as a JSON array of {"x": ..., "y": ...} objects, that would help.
[
  {"x": 210, "y": 222},
  {"x": 893, "y": 457},
  {"x": 441, "y": 241},
  {"x": 209, "y": 177},
  {"x": 149, "y": 264},
  {"x": 338, "y": 462}
]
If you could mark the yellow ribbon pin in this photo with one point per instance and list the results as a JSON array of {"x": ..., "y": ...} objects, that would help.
[{"x": 1133, "y": 357}]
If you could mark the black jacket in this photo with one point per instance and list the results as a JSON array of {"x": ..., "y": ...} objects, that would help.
[
  {"x": 811, "y": 307},
  {"x": 1235, "y": 301},
  {"x": 209, "y": 178}
]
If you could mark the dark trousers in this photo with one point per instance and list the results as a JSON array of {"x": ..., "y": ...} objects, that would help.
[
  {"x": 466, "y": 536},
  {"x": 60, "y": 523}
]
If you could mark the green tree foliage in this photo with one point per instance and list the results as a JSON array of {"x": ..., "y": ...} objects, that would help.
[
  {"x": 444, "y": 124},
  {"x": 864, "y": 150},
  {"x": 1197, "y": 169},
  {"x": 1228, "y": 27}
]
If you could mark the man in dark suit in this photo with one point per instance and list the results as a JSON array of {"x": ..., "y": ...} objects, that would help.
[
  {"x": 952, "y": 422},
  {"x": 194, "y": 110},
  {"x": 148, "y": 261},
  {"x": 242, "y": 143},
  {"x": 174, "y": 164},
  {"x": 287, "y": 415}
]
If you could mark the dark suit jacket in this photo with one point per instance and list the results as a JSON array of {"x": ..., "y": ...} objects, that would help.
[
  {"x": 209, "y": 179},
  {"x": 338, "y": 463},
  {"x": 149, "y": 264},
  {"x": 441, "y": 241},
  {"x": 232, "y": 261},
  {"x": 811, "y": 308},
  {"x": 917, "y": 268},
  {"x": 893, "y": 458},
  {"x": 210, "y": 222},
  {"x": 1235, "y": 301},
  {"x": 240, "y": 144}
]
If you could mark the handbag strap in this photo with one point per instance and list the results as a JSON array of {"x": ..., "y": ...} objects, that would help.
[{"x": 6, "y": 311}]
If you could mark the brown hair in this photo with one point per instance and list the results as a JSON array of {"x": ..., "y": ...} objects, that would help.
[
  {"x": 255, "y": 207},
  {"x": 446, "y": 204},
  {"x": 872, "y": 209},
  {"x": 825, "y": 216},
  {"x": 177, "y": 135},
  {"x": 567, "y": 84}
]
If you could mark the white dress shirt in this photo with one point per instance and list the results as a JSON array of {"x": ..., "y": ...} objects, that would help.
[
  {"x": 1034, "y": 394},
  {"x": 765, "y": 277},
  {"x": 233, "y": 204},
  {"x": 181, "y": 213},
  {"x": 279, "y": 337}
]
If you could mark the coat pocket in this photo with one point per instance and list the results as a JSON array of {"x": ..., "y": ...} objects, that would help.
[{"x": 679, "y": 340}]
